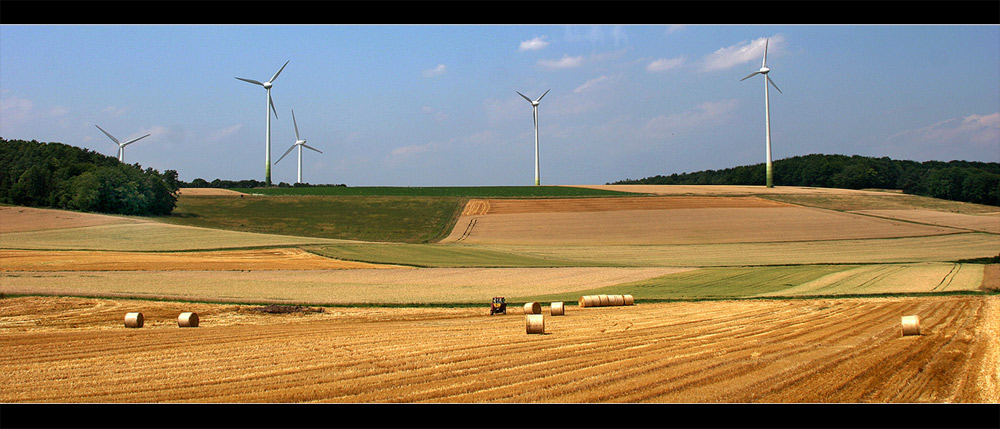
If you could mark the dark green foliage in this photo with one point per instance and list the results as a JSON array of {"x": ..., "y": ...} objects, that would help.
[
  {"x": 66, "y": 177},
  {"x": 968, "y": 181}
]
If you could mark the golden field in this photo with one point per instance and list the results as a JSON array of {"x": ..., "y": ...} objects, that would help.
[{"x": 390, "y": 332}]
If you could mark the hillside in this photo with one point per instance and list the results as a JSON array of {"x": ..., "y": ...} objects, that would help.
[{"x": 967, "y": 181}]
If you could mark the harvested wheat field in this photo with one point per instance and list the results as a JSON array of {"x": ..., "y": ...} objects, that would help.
[
  {"x": 213, "y": 192},
  {"x": 821, "y": 350},
  {"x": 22, "y": 219},
  {"x": 225, "y": 260},
  {"x": 668, "y": 220},
  {"x": 403, "y": 285}
]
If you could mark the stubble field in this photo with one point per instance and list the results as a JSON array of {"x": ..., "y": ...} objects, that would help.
[{"x": 730, "y": 307}]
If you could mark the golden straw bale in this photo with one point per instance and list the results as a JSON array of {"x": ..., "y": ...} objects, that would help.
[
  {"x": 534, "y": 323},
  {"x": 911, "y": 325},
  {"x": 187, "y": 320},
  {"x": 532, "y": 308},
  {"x": 557, "y": 309},
  {"x": 133, "y": 320}
]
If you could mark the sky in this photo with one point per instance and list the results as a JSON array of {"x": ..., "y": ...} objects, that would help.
[{"x": 437, "y": 105}]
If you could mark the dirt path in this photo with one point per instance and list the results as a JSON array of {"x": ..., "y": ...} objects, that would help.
[{"x": 827, "y": 350}]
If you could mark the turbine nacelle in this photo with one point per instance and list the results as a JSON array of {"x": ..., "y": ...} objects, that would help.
[{"x": 763, "y": 70}]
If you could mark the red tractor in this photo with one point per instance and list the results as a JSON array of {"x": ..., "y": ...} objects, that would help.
[{"x": 499, "y": 306}]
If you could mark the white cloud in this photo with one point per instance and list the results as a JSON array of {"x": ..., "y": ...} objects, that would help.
[
  {"x": 977, "y": 129},
  {"x": 14, "y": 110},
  {"x": 664, "y": 64},
  {"x": 414, "y": 149},
  {"x": 436, "y": 71},
  {"x": 741, "y": 53},
  {"x": 533, "y": 44},
  {"x": 114, "y": 111},
  {"x": 437, "y": 115},
  {"x": 220, "y": 134},
  {"x": 563, "y": 63},
  {"x": 706, "y": 113},
  {"x": 592, "y": 84}
]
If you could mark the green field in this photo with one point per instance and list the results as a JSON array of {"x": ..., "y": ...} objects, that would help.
[
  {"x": 374, "y": 214},
  {"x": 442, "y": 191},
  {"x": 796, "y": 281}
]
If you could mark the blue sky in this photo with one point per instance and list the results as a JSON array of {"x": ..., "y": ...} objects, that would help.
[{"x": 435, "y": 105}]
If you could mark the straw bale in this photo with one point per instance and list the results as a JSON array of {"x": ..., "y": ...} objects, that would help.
[
  {"x": 616, "y": 300},
  {"x": 532, "y": 308},
  {"x": 133, "y": 320},
  {"x": 187, "y": 320},
  {"x": 534, "y": 323},
  {"x": 629, "y": 300},
  {"x": 911, "y": 325},
  {"x": 557, "y": 309},
  {"x": 583, "y": 301},
  {"x": 605, "y": 300}
]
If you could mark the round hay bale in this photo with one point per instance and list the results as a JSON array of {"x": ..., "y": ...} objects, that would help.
[
  {"x": 187, "y": 320},
  {"x": 532, "y": 308},
  {"x": 605, "y": 300},
  {"x": 582, "y": 302},
  {"x": 629, "y": 300},
  {"x": 911, "y": 325},
  {"x": 133, "y": 320},
  {"x": 616, "y": 299},
  {"x": 534, "y": 323},
  {"x": 557, "y": 309}
]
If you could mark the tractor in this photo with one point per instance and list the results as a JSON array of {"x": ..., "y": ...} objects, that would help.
[{"x": 499, "y": 306}]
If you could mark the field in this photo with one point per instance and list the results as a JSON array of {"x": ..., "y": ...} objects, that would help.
[{"x": 744, "y": 295}]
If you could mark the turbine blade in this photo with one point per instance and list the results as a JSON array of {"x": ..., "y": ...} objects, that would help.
[
  {"x": 134, "y": 140},
  {"x": 750, "y": 75},
  {"x": 109, "y": 135},
  {"x": 523, "y": 96},
  {"x": 286, "y": 153},
  {"x": 763, "y": 63},
  {"x": 271, "y": 102},
  {"x": 296, "y": 126},
  {"x": 278, "y": 72},
  {"x": 251, "y": 81},
  {"x": 772, "y": 83},
  {"x": 546, "y": 92},
  {"x": 310, "y": 147}
]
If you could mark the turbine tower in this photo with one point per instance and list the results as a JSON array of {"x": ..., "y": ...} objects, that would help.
[
  {"x": 300, "y": 143},
  {"x": 534, "y": 108},
  {"x": 121, "y": 146},
  {"x": 267, "y": 135},
  {"x": 767, "y": 111}
]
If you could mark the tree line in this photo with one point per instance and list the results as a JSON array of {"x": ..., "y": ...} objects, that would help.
[
  {"x": 967, "y": 181},
  {"x": 62, "y": 176}
]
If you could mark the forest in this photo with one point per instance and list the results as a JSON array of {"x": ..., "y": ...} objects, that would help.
[
  {"x": 967, "y": 181},
  {"x": 62, "y": 176}
]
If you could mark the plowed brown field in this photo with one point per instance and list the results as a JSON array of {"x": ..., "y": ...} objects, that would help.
[
  {"x": 823, "y": 350},
  {"x": 667, "y": 220}
]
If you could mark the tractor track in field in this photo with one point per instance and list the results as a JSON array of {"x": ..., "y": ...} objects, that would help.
[{"x": 821, "y": 350}]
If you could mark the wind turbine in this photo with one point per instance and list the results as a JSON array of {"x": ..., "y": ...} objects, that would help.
[
  {"x": 267, "y": 138},
  {"x": 767, "y": 111},
  {"x": 121, "y": 146},
  {"x": 300, "y": 143},
  {"x": 534, "y": 108}
]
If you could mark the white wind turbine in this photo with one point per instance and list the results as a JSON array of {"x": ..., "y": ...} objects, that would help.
[
  {"x": 267, "y": 138},
  {"x": 534, "y": 108},
  {"x": 767, "y": 111},
  {"x": 121, "y": 145},
  {"x": 300, "y": 143}
]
